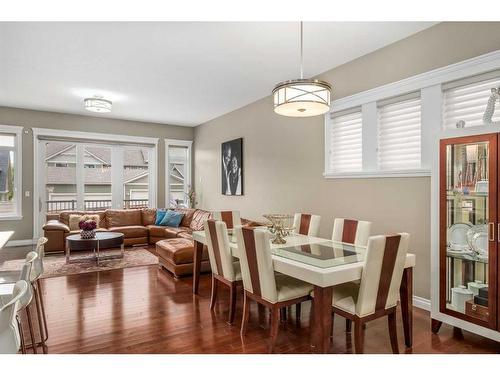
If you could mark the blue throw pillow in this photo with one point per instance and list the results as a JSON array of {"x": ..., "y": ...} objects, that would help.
[
  {"x": 172, "y": 219},
  {"x": 160, "y": 214}
]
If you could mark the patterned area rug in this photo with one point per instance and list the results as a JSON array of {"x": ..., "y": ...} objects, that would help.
[{"x": 55, "y": 264}]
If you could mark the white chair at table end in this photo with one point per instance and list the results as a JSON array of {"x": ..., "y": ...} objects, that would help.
[
  {"x": 231, "y": 218},
  {"x": 10, "y": 336},
  {"x": 352, "y": 231},
  {"x": 377, "y": 293},
  {"x": 306, "y": 224}
]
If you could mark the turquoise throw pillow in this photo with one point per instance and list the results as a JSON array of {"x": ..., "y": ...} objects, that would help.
[
  {"x": 160, "y": 214},
  {"x": 172, "y": 219}
]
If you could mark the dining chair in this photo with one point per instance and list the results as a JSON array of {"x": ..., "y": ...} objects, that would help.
[
  {"x": 306, "y": 224},
  {"x": 231, "y": 218},
  {"x": 225, "y": 268},
  {"x": 36, "y": 273},
  {"x": 377, "y": 293},
  {"x": 351, "y": 231},
  {"x": 11, "y": 337},
  {"x": 261, "y": 283}
]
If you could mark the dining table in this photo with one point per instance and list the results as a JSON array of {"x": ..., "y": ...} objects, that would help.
[{"x": 324, "y": 264}]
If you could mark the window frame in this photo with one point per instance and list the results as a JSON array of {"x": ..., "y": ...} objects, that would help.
[
  {"x": 183, "y": 143},
  {"x": 18, "y": 171},
  {"x": 430, "y": 84}
]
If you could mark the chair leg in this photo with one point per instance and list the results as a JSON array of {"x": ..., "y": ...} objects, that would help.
[
  {"x": 213, "y": 296},
  {"x": 298, "y": 311},
  {"x": 358, "y": 338},
  {"x": 331, "y": 329},
  {"x": 275, "y": 324},
  {"x": 42, "y": 305},
  {"x": 348, "y": 325},
  {"x": 39, "y": 313},
  {"x": 311, "y": 315},
  {"x": 21, "y": 334},
  {"x": 283, "y": 314},
  {"x": 232, "y": 302},
  {"x": 391, "y": 320},
  {"x": 30, "y": 326},
  {"x": 246, "y": 314}
]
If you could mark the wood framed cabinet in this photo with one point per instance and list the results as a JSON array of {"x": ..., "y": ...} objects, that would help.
[{"x": 469, "y": 230}]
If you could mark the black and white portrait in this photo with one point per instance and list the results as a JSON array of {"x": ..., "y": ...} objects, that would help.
[{"x": 232, "y": 167}]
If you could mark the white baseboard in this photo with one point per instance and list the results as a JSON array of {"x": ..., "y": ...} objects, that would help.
[
  {"x": 421, "y": 303},
  {"x": 20, "y": 243}
]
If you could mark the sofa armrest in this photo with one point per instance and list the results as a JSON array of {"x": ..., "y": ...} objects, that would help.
[{"x": 56, "y": 225}]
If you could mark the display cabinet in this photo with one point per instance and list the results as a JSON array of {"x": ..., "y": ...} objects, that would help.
[{"x": 469, "y": 232}]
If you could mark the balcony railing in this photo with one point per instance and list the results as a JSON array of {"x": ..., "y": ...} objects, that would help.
[{"x": 93, "y": 204}]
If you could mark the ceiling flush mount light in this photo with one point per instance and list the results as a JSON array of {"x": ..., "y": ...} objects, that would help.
[
  {"x": 97, "y": 104},
  {"x": 302, "y": 97}
]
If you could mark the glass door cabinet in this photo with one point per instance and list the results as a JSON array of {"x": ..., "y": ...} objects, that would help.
[{"x": 469, "y": 228}]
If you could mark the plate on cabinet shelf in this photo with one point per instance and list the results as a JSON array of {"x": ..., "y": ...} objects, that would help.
[
  {"x": 457, "y": 237},
  {"x": 480, "y": 243}
]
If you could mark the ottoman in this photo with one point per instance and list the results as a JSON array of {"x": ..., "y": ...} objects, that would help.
[{"x": 176, "y": 255}]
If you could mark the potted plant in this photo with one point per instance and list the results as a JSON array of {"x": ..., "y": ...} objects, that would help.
[{"x": 87, "y": 228}]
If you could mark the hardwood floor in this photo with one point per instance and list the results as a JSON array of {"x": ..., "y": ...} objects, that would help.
[{"x": 145, "y": 310}]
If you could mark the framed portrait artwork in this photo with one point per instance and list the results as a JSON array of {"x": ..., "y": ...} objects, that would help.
[{"x": 232, "y": 167}]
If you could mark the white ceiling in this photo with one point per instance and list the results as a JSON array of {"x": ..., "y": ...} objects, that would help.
[{"x": 182, "y": 73}]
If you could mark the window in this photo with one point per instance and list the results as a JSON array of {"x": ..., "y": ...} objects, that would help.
[
  {"x": 466, "y": 100},
  {"x": 178, "y": 172},
  {"x": 399, "y": 134},
  {"x": 346, "y": 142},
  {"x": 10, "y": 172}
]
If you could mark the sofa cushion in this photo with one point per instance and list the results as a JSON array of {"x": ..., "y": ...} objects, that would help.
[
  {"x": 131, "y": 231},
  {"x": 177, "y": 250},
  {"x": 171, "y": 232},
  {"x": 56, "y": 225},
  {"x": 148, "y": 216},
  {"x": 160, "y": 214},
  {"x": 199, "y": 218},
  {"x": 188, "y": 216},
  {"x": 156, "y": 230},
  {"x": 123, "y": 218},
  {"x": 172, "y": 219},
  {"x": 74, "y": 220},
  {"x": 187, "y": 235}
]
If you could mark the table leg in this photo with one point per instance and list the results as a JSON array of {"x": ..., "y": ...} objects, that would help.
[
  {"x": 322, "y": 319},
  {"x": 406, "y": 296},
  {"x": 198, "y": 252}
]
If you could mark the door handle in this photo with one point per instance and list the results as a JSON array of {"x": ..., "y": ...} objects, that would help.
[{"x": 491, "y": 231}]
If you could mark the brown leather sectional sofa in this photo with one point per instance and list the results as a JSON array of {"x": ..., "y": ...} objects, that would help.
[{"x": 138, "y": 226}]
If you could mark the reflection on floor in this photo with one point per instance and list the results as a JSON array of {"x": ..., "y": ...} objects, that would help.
[{"x": 145, "y": 310}]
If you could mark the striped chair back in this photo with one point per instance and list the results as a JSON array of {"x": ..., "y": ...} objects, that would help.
[
  {"x": 382, "y": 272},
  {"x": 257, "y": 268},
  {"x": 231, "y": 218},
  {"x": 219, "y": 251},
  {"x": 351, "y": 231},
  {"x": 306, "y": 224}
]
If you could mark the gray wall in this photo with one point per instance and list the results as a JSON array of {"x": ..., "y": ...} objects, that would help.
[
  {"x": 284, "y": 157},
  {"x": 39, "y": 119}
]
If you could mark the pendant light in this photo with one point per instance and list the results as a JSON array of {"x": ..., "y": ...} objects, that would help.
[{"x": 302, "y": 97}]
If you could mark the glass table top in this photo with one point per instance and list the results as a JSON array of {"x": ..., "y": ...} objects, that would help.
[{"x": 323, "y": 254}]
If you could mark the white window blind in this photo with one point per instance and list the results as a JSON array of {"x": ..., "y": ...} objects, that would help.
[
  {"x": 346, "y": 142},
  {"x": 467, "y": 99},
  {"x": 399, "y": 134}
]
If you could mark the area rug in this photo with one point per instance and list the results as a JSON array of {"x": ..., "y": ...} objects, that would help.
[{"x": 55, "y": 264}]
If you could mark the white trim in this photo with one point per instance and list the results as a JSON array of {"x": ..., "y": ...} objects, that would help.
[
  {"x": 18, "y": 172},
  {"x": 85, "y": 136},
  {"x": 422, "y": 303},
  {"x": 381, "y": 174},
  {"x": 15, "y": 243},
  {"x": 187, "y": 178},
  {"x": 470, "y": 67}
]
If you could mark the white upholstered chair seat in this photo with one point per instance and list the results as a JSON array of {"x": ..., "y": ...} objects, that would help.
[
  {"x": 237, "y": 271},
  {"x": 289, "y": 288},
  {"x": 345, "y": 297}
]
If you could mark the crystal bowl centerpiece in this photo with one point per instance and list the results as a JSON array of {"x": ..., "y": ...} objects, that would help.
[{"x": 280, "y": 226}]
